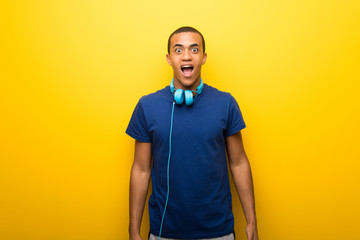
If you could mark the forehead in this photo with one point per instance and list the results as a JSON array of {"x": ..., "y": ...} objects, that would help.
[{"x": 186, "y": 38}]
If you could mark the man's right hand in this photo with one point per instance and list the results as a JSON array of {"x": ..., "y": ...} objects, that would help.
[
  {"x": 135, "y": 237},
  {"x": 139, "y": 184}
]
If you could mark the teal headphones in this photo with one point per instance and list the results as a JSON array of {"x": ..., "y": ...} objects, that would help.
[{"x": 180, "y": 94}]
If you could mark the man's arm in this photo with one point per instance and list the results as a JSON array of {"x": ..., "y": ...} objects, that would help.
[
  {"x": 241, "y": 172},
  {"x": 139, "y": 184}
]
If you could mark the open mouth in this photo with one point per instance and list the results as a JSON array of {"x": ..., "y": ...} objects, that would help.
[{"x": 187, "y": 70}]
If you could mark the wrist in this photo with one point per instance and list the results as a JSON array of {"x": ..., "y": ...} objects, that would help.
[
  {"x": 134, "y": 234},
  {"x": 252, "y": 222},
  {"x": 134, "y": 231}
]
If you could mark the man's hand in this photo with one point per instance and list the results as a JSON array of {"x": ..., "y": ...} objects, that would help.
[
  {"x": 135, "y": 237},
  {"x": 139, "y": 183},
  {"x": 251, "y": 232},
  {"x": 241, "y": 172}
]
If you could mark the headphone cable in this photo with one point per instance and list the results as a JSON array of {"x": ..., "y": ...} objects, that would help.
[{"x": 168, "y": 170}]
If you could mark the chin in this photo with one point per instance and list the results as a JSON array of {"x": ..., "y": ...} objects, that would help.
[
  {"x": 189, "y": 81},
  {"x": 186, "y": 82}
]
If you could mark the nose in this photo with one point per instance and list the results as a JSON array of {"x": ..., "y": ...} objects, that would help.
[{"x": 186, "y": 55}]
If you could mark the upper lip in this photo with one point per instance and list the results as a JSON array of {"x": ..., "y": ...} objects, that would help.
[{"x": 187, "y": 65}]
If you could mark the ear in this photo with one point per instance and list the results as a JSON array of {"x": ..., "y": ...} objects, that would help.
[
  {"x": 168, "y": 59},
  {"x": 204, "y": 58}
]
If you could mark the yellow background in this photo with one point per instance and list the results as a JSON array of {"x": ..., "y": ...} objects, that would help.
[{"x": 72, "y": 72}]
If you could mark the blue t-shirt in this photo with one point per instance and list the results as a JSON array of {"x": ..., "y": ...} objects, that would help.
[{"x": 199, "y": 204}]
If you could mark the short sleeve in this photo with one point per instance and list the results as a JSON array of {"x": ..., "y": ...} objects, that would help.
[
  {"x": 235, "y": 119},
  {"x": 137, "y": 127}
]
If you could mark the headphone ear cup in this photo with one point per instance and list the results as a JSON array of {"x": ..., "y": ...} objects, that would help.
[
  {"x": 189, "y": 97},
  {"x": 179, "y": 96}
]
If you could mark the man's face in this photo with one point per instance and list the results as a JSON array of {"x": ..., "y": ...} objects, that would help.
[{"x": 186, "y": 58}]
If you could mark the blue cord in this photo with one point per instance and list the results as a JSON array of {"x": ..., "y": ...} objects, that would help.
[
  {"x": 195, "y": 96},
  {"x": 168, "y": 168}
]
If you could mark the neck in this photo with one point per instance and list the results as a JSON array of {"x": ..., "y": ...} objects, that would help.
[{"x": 178, "y": 85}]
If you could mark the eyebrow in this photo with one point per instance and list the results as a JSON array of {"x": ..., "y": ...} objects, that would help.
[{"x": 180, "y": 45}]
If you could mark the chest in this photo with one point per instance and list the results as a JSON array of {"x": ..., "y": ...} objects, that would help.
[{"x": 199, "y": 122}]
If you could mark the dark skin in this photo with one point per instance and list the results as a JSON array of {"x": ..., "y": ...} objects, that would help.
[
  {"x": 241, "y": 173},
  {"x": 186, "y": 49},
  {"x": 139, "y": 184},
  {"x": 238, "y": 161}
]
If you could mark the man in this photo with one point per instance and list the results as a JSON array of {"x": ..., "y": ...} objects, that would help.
[{"x": 182, "y": 147}]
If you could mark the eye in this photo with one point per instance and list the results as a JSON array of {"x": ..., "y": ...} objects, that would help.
[
  {"x": 194, "y": 50},
  {"x": 178, "y": 50}
]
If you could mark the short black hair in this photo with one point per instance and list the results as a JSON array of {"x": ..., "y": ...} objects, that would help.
[{"x": 186, "y": 29}]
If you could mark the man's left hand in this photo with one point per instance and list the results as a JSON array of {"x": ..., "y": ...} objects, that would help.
[{"x": 251, "y": 232}]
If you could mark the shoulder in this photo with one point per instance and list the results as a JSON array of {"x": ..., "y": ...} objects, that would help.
[
  {"x": 163, "y": 94},
  {"x": 217, "y": 94}
]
